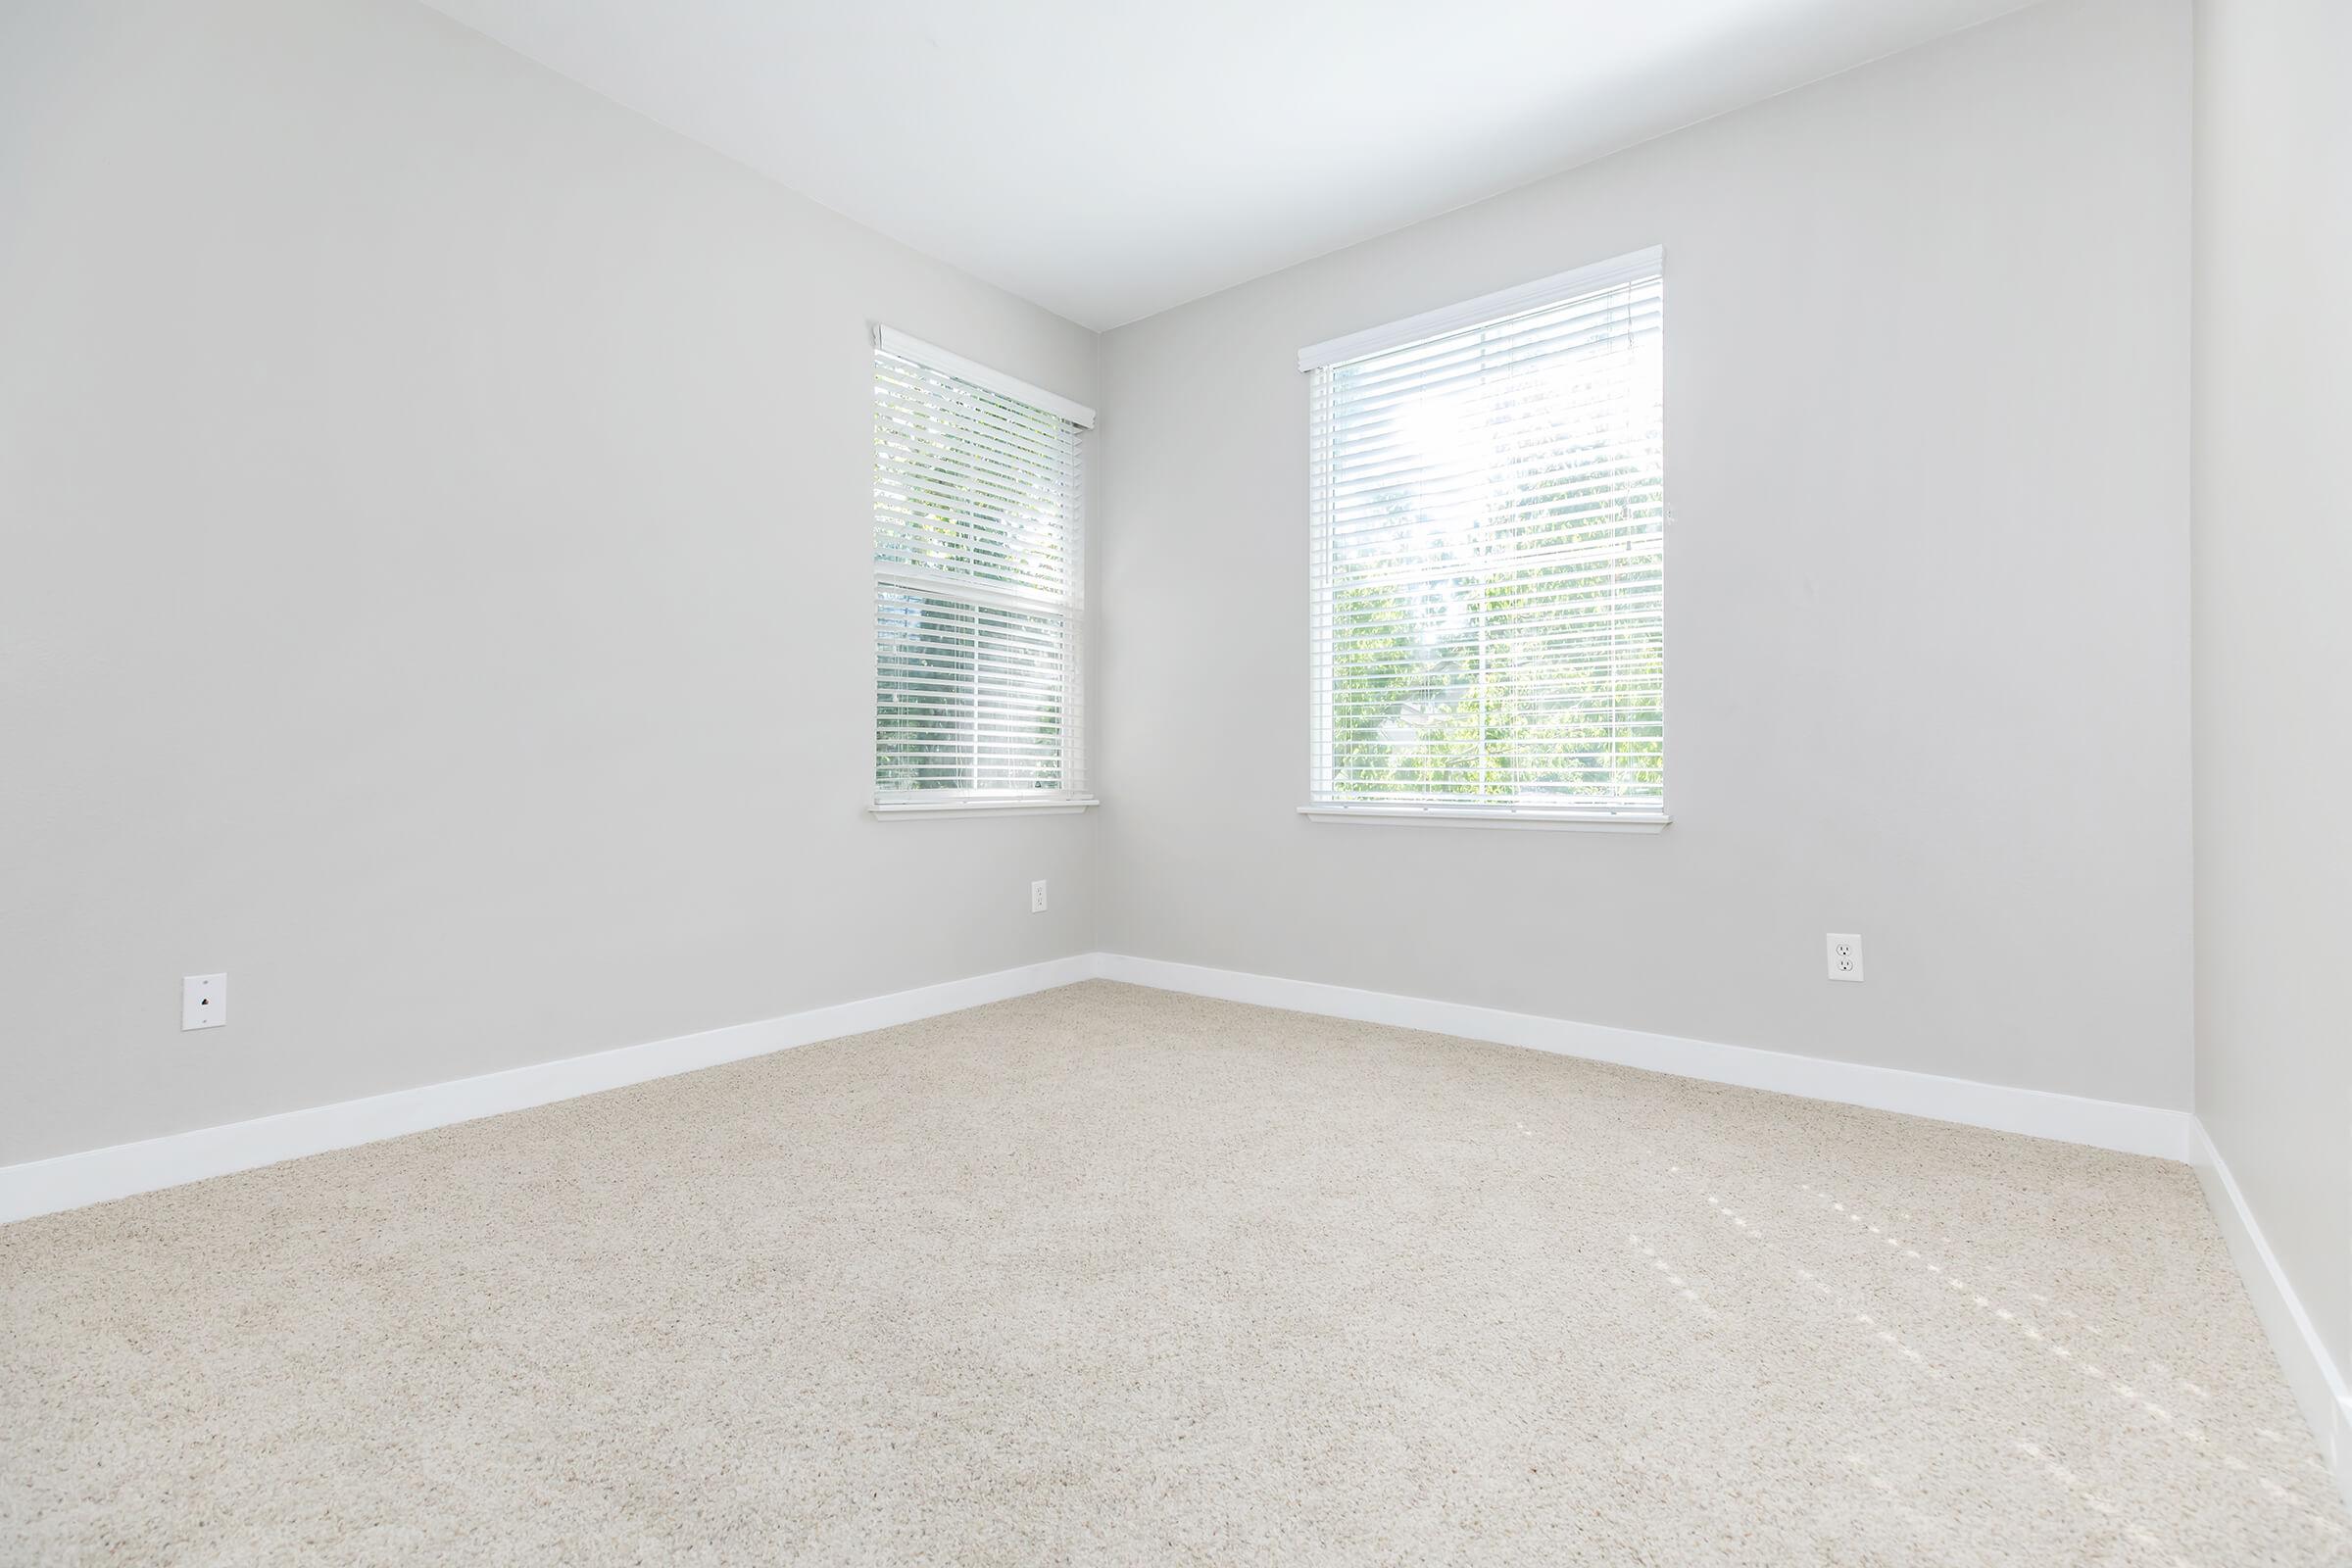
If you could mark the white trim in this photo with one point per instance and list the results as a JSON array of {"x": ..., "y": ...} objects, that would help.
[
  {"x": 2039, "y": 1113},
  {"x": 963, "y": 370},
  {"x": 68, "y": 1181},
  {"x": 1502, "y": 305},
  {"x": 2312, "y": 1374},
  {"x": 1473, "y": 816},
  {"x": 908, "y": 811}
]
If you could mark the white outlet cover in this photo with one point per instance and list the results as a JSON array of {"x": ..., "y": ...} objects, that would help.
[
  {"x": 203, "y": 1001},
  {"x": 1846, "y": 956},
  {"x": 1036, "y": 897}
]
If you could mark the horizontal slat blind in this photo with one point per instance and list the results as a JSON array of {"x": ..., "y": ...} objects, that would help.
[
  {"x": 1488, "y": 564},
  {"x": 978, "y": 532}
]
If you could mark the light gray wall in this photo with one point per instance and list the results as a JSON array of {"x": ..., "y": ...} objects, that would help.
[
  {"x": 436, "y": 586},
  {"x": 435, "y": 512},
  {"x": 1928, "y": 424},
  {"x": 2273, "y": 616}
]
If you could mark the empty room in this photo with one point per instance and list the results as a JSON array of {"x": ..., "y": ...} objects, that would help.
[{"x": 1307, "y": 782}]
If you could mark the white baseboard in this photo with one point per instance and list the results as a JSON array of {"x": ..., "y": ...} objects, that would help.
[
  {"x": 2071, "y": 1118},
  {"x": 2312, "y": 1374},
  {"x": 70, "y": 1181}
]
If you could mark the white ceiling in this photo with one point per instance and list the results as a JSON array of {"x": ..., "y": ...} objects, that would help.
[{"x": 1109, "y": 158}]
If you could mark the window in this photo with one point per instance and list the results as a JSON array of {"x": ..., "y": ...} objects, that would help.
[
  {"x": 979, "y": 489},
  {"x": 1488, "y": 537}
]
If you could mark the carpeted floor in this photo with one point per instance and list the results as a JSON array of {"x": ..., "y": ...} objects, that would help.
[{"x": 1108, "y": 1275}]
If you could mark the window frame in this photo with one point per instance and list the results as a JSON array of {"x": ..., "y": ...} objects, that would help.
[
  {"x": 1070, "y": 609},
  {"x": 1465, "y": 811}
]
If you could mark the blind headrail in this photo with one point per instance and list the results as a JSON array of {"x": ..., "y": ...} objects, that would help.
[
  {"x": 972, "y": 371},
  {"x": 1632, "y": 267}
]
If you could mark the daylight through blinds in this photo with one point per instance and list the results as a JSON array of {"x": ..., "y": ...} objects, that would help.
[
  {"x": 1488, "y": 562},
  {"x": 977, "y": 532}
]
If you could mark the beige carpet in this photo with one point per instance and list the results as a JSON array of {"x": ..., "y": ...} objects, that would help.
[{"x": 1112, "y": 1276}]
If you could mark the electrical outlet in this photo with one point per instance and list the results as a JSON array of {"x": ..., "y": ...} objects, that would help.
[
  {"x": 1036, "y": 897},
  {"x": 203, "y": 1001},
  {"x": 1846, "y": 956}
]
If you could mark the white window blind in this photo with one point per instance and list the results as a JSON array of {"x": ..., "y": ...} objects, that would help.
[
  {"x": 1488, "y": 565},
  {"x": 979, "y": 489}
]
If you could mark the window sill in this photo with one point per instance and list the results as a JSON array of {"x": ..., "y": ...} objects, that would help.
[
  {"x": 1472, "y": 816},
  {"x": 902, "y": 811}
]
